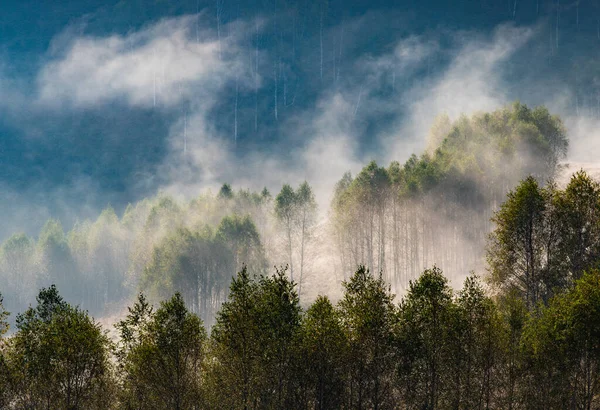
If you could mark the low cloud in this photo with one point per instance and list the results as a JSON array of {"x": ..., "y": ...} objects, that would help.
[
  {"x": 161, "y": 65},
  {"x": 473, "y": 80},
  {"x": 380, "y": 105}
]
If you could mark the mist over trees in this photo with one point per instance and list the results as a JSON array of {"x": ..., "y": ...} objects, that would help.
[
  {"x": 434, "y": 348},
  {"x": 210, "y": 325},
  {"x": 436, "y": 208}
]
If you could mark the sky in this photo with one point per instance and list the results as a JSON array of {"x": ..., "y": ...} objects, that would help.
[{"x": 106, "y": 102}]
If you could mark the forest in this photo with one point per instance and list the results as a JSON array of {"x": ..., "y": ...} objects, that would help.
[{"x": 360, "y": 311}]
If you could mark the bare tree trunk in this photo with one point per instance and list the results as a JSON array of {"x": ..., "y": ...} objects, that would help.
[
  {"x": 302, "y": 238},
  {"x": 289, "y": 235}
]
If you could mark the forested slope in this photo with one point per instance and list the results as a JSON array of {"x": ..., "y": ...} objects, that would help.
[
  {"x": 523, "y": 335},
  {"x": 435, "y": 208}
]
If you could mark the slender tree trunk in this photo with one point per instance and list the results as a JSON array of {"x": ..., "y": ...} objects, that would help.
[{"x": 289, "y": 235}]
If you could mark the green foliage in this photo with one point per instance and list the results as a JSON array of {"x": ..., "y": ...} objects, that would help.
[
  {"x": 234, "y": 376},
  {"x": 240, "y": 235},
  {"x": 578, "y": 208},
  {"x": 447, "y": 192},
  {"x": 3, "y": 318},
  {"x": 368, "y": 317},
  {"x": 534, "y": 345},
  {"x": 437, "y": 350},
  {"x": 517, "y": 245},
  {"x": 561, "y": 344},
  {"x": 161, "y": 356},
  {"x": 495, "y": 147},
  {"x": 478, "y": 349},
  {"x": 4, "y": 370},
  {"x": 360, "y": 216},
  {"x": 196, "y": 264},
  {"x": 225, "y": 192},
  {"x": 253, "y": 342},
  {"x": 165, "y": 214},
  {"x": 285, "y": 201},
  {"x": 59, "y": 355},
  {"x": 545, "y": 238},
  {"x": 199, "y": 264},
  {"x": 296, "y": 212},
  {"x": 425, "y": 331},
  {"x": 322, "y": 356}
]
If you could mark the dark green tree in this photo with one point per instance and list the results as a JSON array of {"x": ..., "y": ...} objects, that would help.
[
  {"x": 561, "y": 345},
  {"x": 234, "y": 377},
  {"x": 514, "y": 314},
  {"x": 4, "y": 369},
  {"x": 322, "y": 353},
  {"x": 161, "y": 356},
  {"x": 578, "y": 208},
  {"x": 368, "y": 317},
  {"x": 424, "y": 333},
  {"x": 520, "y": 251},
  {"x": 59, "y": 357},
  {"x": 253, "y": 344},
  {"x": 225, "y": 192},
  {"x": 278, "y": 309},
  {"x": 477, "y": 342}
]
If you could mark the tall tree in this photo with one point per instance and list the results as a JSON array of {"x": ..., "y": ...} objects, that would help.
[
  {"x": 578, "y": 207},
  {"x": 234, "y": 378},
  {"x": 285, "y": 210},
  {"x": 279, "y": 313},
  {"x": 253, "y": 343},
  {"x": 56, "y": 261},
  {"x": 322, "y": 356},
  {"x": 307, "y": 212},
  {"x": 199, "y": 264},
  {"x": 516, "y": 255},
  {"x": 4, "y": 369},
  {"x": 562, "y": 348},
  {"x": 59, "y": 357},
  {"x": 130, "y": 331},
  {"x": 477, "y": 342},
  {"x": 426, "y": 315},
  {"x": 368, "y": 316},
  {"x": 240, "y": 235},
  {"x": 163, "y": 365},
  {"x": 514, "y": 314}
]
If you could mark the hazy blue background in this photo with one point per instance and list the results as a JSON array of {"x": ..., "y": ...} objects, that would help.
[{"x": 294, "y": 90}]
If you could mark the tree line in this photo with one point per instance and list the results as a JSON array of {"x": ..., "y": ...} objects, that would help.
[
  {"x": 525, "y": 337},
  {"x": 522, "y": 337},
  {"x": 436, "y": 208},
  {"x": 398, "y": 220},
  {"x": 160, "y": 246},
  {"x": 435, "y": 349}
]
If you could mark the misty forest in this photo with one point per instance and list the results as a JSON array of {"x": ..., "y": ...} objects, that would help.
[
  {"x": 299, "y": 205},
  {"x": 196, "y": 334}
]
